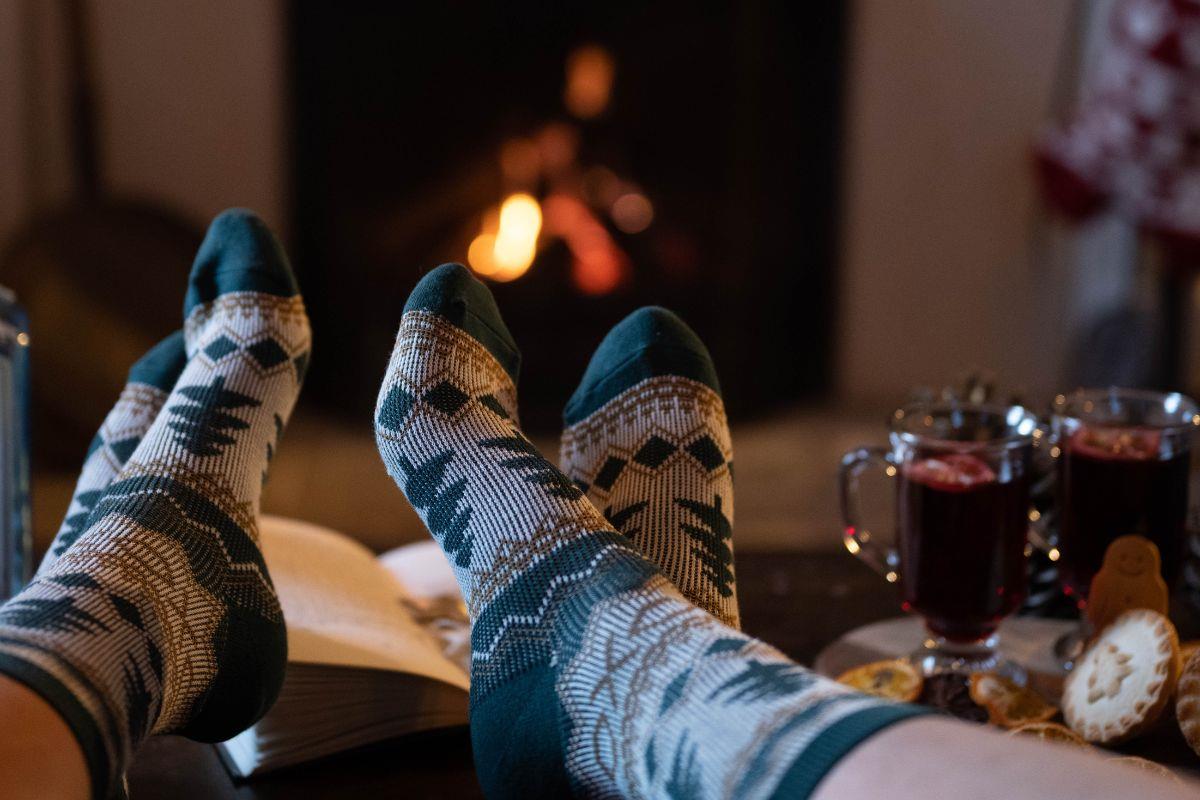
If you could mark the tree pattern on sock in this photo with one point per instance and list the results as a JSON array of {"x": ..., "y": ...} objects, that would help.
[
  {"x": 203, "y": 423},
  {"x": 161, "y": 617},
  {"x": 59, "y": 614},
  {"x": 665, "y": 443},
  {"x": 586, "y": 661},
  {"x": 622, "y": 518},
  {"x": 761, "y": 680},
  {"x": 535, "y": 466},
  {"x": 684, "y": 783},
  {"x": 714, "y": 535},
  {"x": 447, "y": 518},
  {"x": 74, "y": 524}
]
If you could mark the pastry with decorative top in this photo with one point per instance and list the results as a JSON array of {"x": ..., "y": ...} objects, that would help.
[
  {"x": 1123, "y": 681},
  {"x": 1187, "y": 701}
]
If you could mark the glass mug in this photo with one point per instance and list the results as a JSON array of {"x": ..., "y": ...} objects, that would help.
[
  {"x": 962, "y": 474},
  {"x": 1124, "y": 456}
]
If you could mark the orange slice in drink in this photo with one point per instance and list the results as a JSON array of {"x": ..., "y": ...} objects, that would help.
[{"x": 1107, "y": 444}]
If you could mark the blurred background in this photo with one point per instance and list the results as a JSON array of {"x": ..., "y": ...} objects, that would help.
[{"x": 848, "y": 201}]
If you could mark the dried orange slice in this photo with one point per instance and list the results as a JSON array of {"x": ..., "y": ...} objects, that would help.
[
  {"x": 895, "y": 679},
  {"x": 1009, "y": 705},
  {"x": 1050, "y": 732},
  {"x": 1146, "y": 765}
]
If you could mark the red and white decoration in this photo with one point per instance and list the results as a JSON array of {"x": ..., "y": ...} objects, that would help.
[{"x": 1134, "y": 142}]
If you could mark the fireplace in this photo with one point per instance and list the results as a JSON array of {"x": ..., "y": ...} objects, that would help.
[{"x": 585, "y": 159}]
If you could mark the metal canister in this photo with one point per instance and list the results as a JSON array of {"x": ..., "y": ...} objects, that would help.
[{"x": 16, "y": 530}]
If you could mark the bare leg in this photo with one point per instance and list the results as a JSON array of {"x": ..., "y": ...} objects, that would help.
[
  {"x": 928, "y": 758},
  {"x": 39, "y": 758}
]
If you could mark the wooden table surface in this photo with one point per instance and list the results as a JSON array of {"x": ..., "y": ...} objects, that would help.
[{"x": 797, "y": 602}]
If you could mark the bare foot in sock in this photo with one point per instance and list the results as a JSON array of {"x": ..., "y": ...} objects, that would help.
[{"x": 160, "y": 616}]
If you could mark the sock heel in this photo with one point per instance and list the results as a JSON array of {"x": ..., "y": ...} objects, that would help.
[
  {"x": 516, "y": 741},
  {"x": 253, "y": 658}
]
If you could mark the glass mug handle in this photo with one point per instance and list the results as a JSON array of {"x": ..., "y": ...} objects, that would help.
[
  {"x": 1040, "y": 531},
  {"x": 884, "y": 559}
]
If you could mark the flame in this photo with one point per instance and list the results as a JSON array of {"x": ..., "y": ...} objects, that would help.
[
  {"x": 508, "y": 253},
  {"x": 598, "y": 265},
  {"x": 590, "y": 71},
  {"x": 479, "y": 254}
]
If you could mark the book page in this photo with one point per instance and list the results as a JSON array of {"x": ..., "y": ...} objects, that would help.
[
  {"x": 422, "y": 571},
  {"x": 342, "y": 608},
  {"x": 430, "y": 592}
]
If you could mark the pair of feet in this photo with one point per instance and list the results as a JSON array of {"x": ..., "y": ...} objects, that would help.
[
  {"x": 645, "y": 437},
  {"x": 603, "y": 661}
]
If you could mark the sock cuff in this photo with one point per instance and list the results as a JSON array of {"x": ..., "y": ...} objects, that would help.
[
  {"x": 68, "y": 707},
  {"x": 832, "y": 744}
]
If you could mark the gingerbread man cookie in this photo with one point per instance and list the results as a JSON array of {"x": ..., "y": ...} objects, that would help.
[{"x": 1130, "y": 577}]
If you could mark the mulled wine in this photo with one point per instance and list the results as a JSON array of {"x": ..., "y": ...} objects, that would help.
[
  {"x": 962, "y": 537},
  {"x": 1114, "y": 482}
]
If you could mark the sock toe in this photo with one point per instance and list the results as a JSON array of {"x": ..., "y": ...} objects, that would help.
[
  {"x": 648, "y": 343},
  {"x": 161, "y": 365},
  {"x": 453, "y": 293},
  {"x": 239, "y": 254}
]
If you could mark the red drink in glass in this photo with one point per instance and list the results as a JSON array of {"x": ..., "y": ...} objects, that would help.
[
  {"x": 1115, "y": 482},
  {"x": 961, "y": 538},
  {"x": 962, "y": 474}
]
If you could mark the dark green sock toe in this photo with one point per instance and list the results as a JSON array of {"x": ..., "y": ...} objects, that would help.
[
  {"x": 649, "y": 343},
  {"x": 453, "y": 293},
  {"x": 161, "y": 365},
  {"x": 239, "y": 254}
]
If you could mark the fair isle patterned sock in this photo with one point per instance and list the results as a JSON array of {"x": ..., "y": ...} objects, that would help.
[
  {"x": 646, "y": 439},
  {"x": 151, "y": 379},
  {"x": 590, "y": 673},
  {"x": 161, "y": 617}
]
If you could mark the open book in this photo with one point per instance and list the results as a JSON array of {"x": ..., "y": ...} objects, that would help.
[{"x": 377, "y": 647}]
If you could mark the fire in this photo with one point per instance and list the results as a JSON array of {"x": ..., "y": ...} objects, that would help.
[
  {"x": 508, "y": 253},
  {"x": 590, "y": 71}
]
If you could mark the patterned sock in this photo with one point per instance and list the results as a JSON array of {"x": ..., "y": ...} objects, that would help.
[
  {"x": 590, "y": 671},
  {"x": 161, "y": 617},
  {"x": 646, "y": 439},
  {"x": 150, "y": 381}
]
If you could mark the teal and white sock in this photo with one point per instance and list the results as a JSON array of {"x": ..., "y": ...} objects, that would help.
[
  {"x": 161, "y": 616},
  {"x": 591, "y": 673},
  {"x": 150, "y": 380},
  {"x": 646, "y": 439}
]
